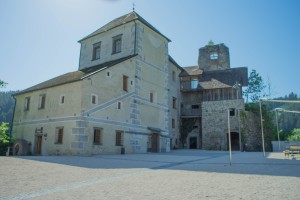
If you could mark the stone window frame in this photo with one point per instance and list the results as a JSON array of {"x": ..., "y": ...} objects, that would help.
[
  {"x": 98, "y": 136},
  {"x": 174, "y": 102},
  {"x": 96, "y": 51},
  {"x": 108, "y": 74},
  {"x": 117, "y": 44},
  {"x": 94, "y": 99},
  {"x": 125, "y": 83},
  {"x": 59, "y": 134},
  {"x": 173, "y": 123},
  {"x": 214, "y": 56},
  {"x": 62, "y": 99},
  {"x": 27, "y": 104},
  {"x": 42, "y": 101},
  {"x": 119, "y": 105},
  {"x": 119, "y": 138},
  {"x": 173, "y": 76}
]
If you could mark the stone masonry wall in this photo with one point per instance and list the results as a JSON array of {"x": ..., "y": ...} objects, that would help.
[
  {"x": 207, "y": 64},
  {"x": 215, "y": 123}
]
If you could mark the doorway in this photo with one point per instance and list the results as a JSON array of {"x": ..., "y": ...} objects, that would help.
[
  {"x": 154, "y": 142},
  {"x": 235, "y": 141},
  {"x": 39, "y": 144},
  {"x": 193, "y": 142}
]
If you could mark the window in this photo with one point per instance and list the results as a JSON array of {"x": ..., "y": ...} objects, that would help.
[
  {"x": 195, "y": 106},
  {"x": 117, "y": 44},
  {"x": 213, "y": 56},
  {"x": 42, "y": 101},
  {"x": 97, "y": 136},
  {"x": 94, "y": 99},
  {"x": 59, "y": 135},
  {"x": 194, "y": 83},
  {"x": 173, "y": 76},
  {"x": 119, "y": 105},
  {"x": 125, "y": 83},
  {"x": 96, "y": 51},
  {"x": 27, "y": 103},
  {"x": 151, "y": 97},
  {"x": 62, "y": 99},
  {"x": 173, "y": 123},
  {"x": 108, "y": 74},
  {"x": 174, "y": 102},
  {"x": 119, "y": 138},
  {"x": 232, "y": 112}
]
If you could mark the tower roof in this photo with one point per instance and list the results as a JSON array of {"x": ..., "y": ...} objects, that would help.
[{"x": 123, "y": 20}]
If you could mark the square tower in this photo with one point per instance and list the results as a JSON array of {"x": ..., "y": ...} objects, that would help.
[{"x": 214, "y": 57}]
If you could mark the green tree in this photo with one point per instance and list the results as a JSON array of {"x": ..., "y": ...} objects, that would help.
[
  {"x": 2, "y": 83},
  {"x": 295, "y": 135},
  {"x": 5, "y": 140},
  {"x": 255, "y": 89},
  {"x": 210, "y": 43},
  {"x": 7, "y": 103},
  {"x": 4, "y": 137}
]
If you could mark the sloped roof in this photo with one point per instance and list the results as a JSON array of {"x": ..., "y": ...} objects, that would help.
[
  {"x": 174, "y": 62},
  {"x": 218, "y": 78},
  {"x": 73, "y": 76},
  {"x": 123, "y": 20},
  {"x": 191, "y": 71},
  {"x": 223, "y": 78}
]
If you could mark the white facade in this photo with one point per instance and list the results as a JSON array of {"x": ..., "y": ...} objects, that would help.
[{"x": 120, "y": 99}]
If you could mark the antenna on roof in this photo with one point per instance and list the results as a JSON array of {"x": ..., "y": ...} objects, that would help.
[{"x": 133, "y": 5}]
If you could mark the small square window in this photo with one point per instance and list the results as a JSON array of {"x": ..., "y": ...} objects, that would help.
[
  {"x": 213, "y": 56},
  {"x": 174, "y": 102},
  {"x": 62, "y": 99},
  {"x": 151, "y": 97},
  {"x": 108, "y": 74},
  {"x": 94, "y": 99},
  {"x": 125, "y": 83},
  {"x": 119, "y": 105}
]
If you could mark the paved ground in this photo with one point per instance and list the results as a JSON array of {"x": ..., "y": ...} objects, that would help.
[{"x": 181, "y": 174}]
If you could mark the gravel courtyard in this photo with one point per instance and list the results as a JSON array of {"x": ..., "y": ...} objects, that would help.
[{"x": 181, "y": 174}]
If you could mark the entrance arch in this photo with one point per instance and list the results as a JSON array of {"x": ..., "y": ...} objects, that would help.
[{"x": 235, "y": 141}]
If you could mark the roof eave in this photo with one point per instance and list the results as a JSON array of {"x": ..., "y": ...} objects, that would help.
[{"x": 152, "y": 28}]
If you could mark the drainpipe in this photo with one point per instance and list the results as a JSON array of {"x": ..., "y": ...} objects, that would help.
[{"x": 12, "y": 120}]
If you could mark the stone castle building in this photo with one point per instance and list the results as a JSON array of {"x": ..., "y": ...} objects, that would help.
[
  {"x": 129, "y": 95},
  {"x": 209, "y": 92}
]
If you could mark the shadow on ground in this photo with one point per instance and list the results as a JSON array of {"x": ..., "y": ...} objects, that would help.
[{"x": 191, "y": 160}]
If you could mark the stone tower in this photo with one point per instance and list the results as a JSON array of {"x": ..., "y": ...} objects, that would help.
[{"x": 214, "y": 57}]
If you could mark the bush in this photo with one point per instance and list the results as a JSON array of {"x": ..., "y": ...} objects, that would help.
[{"x": 5, "y": 140}]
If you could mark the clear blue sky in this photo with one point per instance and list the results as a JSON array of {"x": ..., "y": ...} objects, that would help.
[{"x": 39, "y": 37}]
